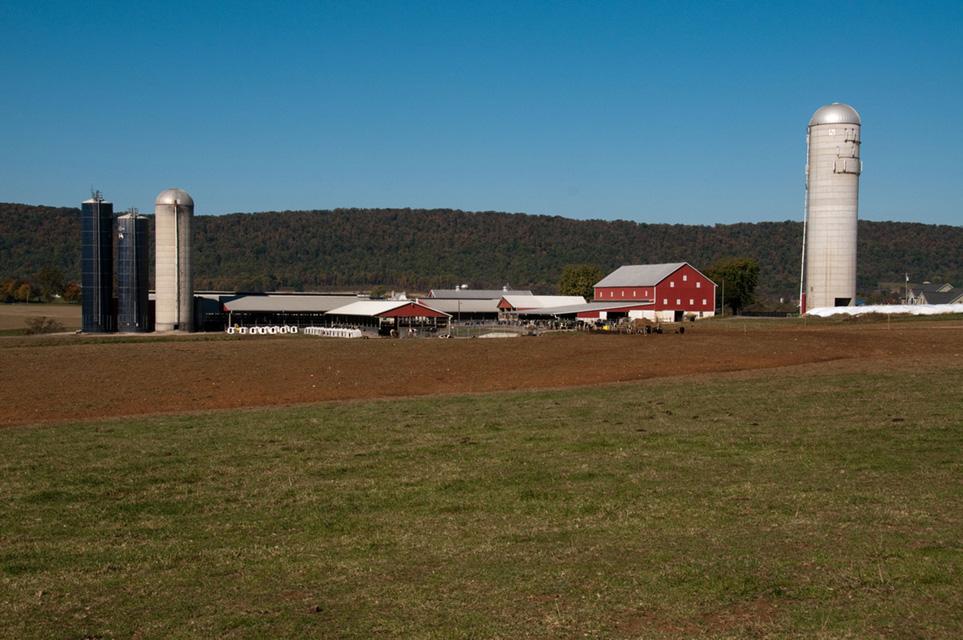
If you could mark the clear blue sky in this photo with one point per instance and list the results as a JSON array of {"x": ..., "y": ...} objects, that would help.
[{"x": 657, "y": 112}]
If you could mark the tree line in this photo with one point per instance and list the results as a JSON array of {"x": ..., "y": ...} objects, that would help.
[
  {"x": 420, "y": 249},
  {"x": 45, "y": 285}
]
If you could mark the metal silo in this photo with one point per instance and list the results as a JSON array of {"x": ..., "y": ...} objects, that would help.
[
  {"x": 132, "y": 275},
  {"x": 832, "y": 197},
  {"x": 173, "y": 212},
  {"x": 97, "y": 264}
]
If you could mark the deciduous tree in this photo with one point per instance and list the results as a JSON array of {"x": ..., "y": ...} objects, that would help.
[
  {"x": 737, "y": 278},
  {"x": 24, "y": 292},
  {"x": 579, "y": 280},
  {"x": 50, "y": 282},
  {"x": 72, "y": 292}
]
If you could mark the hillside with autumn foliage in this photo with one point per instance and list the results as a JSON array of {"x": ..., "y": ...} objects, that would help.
[{"x": 419, "y": 249}]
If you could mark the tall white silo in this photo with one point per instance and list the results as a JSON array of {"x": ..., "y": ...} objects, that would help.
[
  {"x": 832, "y": 198},
  {"x": 174, "y": 308}
]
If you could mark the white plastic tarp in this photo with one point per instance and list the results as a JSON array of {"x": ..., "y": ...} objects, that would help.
[{"x": 891, "y": 309}]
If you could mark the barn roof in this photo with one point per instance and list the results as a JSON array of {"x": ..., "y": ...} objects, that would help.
[
  {"x": 541, "y": 302},
  {"x": 639, "y": 275},
  {"x": 489, "y": 305},
  {"x": 933, "y": 287},
  {"x": 374, "y": 308},
  {"x": 475, "y": 294},
  {"x": 288, "y": 303},
  {"x": 586, "y": 308},
  {"x": 953, "y": 296}
]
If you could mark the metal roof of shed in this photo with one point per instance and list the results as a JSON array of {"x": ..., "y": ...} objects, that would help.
[
  {"x": 288, "y": 303},
  {"x": 489, "y": 305},
  {"x": 374, "y": 308},
  {"x": 541, "y": 302},
  {"x": 639, "y": 275},
  {"x": 584, "y": 308},
  {"x": 474, "y": 294}
]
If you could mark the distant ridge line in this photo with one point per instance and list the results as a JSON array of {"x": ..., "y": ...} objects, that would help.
[{"x": 419, "y": 249}]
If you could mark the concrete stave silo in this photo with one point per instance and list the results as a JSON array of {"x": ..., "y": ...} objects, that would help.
[
  {"x": 832, "y": 197},
  {"x": 173, "y": 214}
]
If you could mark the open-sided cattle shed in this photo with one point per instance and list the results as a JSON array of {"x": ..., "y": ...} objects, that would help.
[
  {"x": 511, "y": 305},
  {"x": 389, "y": 314},
  {"x": 283, "y": 309},
  {"x": 466, "y": 309},
  {"x": 588, "y": 311}
]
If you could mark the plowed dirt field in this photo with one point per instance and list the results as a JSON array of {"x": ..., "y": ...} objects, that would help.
[{"x": 69, "y": 378}]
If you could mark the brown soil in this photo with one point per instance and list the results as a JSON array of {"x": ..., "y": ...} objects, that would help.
[{"x": 68, "y": 379}]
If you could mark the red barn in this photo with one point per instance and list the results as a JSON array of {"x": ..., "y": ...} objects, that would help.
[{"x": 674, "y": 291}]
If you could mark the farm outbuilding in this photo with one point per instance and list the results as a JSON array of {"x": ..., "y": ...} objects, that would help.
[
  {"x": 475, "y": 294},
  {"x": 466, "y": 308},
  {"x": 587, "y": 312},
  {"x": 948, "y": 296},
  {"x": 613, "y": 310},
  {"x": 388, "y": 315},
  {"x": 282, "y": 308},
  {"x": 471, "y": 304},
  {"x": 670, "y": 292},
  {"x": 512, "y": 306},
  {"x": 935, "y": 293}
]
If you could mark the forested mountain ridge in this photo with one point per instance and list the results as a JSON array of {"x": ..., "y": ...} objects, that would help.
[{"x": 420, "y": 249}]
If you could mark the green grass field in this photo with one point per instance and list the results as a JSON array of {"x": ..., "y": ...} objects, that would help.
[{"x": 804, "y": 506}]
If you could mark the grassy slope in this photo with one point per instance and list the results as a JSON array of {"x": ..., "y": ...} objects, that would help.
[
  {"x": 13, "y": 317},
  {"x": 825, "y": 506}
]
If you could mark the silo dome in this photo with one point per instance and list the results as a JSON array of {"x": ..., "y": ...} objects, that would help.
[
  {"x": 174, "y": 196},
  {"x": 835, "y": 113}
]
